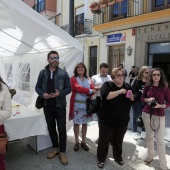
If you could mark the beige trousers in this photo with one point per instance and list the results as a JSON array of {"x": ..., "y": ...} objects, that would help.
[{"x": 159, "y": 136}]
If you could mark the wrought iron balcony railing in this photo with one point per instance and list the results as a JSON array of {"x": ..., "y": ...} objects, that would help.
[
  {"x": 80, "y": 27},
  {"x": 129, "y": 8},
  {"x": 39, "y": 7}
]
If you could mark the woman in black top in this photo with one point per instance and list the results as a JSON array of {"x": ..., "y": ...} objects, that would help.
[
  {"x": 114, "y": 116},
  {"x": 138, "y": 87}
]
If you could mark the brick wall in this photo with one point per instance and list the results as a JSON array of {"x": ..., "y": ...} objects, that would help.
[
  {"x": 29, "y": 2},
  {"x": 51, "y": 5}
]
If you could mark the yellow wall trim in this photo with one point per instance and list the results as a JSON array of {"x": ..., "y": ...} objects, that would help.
[{"x": 132, "y": 20}]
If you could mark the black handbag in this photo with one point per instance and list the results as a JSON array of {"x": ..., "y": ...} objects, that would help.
[
  {"x": 39, "y": 102},
  {"x": 139, "y": 121},
  {"x": 93, "y": 106}
]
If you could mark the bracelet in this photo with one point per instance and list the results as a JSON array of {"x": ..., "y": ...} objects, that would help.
[
  {"x": 118, "y": 92},
  {"x": 162, "y": 106}
]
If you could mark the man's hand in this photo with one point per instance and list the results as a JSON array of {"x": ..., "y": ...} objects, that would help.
[
  {"x": 46, "y": 96},
  {"x": 56, "y": 94}
]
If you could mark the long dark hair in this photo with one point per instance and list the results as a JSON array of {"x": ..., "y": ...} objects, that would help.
[
  {"x": 162, "y": 82},
  {"x": 1, "y": 81},
  {"x": 85, "y": 70}
]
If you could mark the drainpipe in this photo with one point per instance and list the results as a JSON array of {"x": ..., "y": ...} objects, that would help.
[{"x": 71, "y": 18}]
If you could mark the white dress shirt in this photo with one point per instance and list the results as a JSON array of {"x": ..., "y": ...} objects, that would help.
[{"x": 98, "y": 80}]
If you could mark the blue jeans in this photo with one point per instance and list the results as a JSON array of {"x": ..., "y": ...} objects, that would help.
[
  {"x": 53, "y": 115},
  {"x": 137, "y": 110}
]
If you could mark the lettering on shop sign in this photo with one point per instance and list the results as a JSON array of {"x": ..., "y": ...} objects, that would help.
[
  {"x": 158, "y": 37},
  {"x": 155, "y": 28},
  {"x": 155, "y": 32}
]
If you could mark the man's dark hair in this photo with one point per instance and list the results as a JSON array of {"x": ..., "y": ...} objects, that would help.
[
  {"x": 52, "y": 52},
  {"x": 133, "y": 66},
  {"x": 104, "y": 65}
]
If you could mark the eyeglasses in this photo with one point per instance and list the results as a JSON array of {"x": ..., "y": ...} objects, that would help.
[
  {"x": 146, "y": 72},
  {"x": 54, "y": 58},
  {"x": 120, "y": 75},
  {"x": 156, "y": 75}
]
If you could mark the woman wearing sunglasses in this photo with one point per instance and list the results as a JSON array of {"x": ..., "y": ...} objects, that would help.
[
  {"x": 117, "y": 100},
  {"x": 138, "y": 87},
  {"x": 156, "y": 95}
]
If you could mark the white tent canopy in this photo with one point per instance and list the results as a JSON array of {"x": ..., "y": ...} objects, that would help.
[
  {"x": 26, "y": 37},
  {"x": 23, "y": 30}
]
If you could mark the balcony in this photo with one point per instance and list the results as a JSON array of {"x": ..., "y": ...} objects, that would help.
[
  {"x": 39, "y": 7},
  {"x": 129, "y": 8},
  {"x": 81, "y": 27}
]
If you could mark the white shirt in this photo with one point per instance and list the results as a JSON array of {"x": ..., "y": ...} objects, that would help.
[{"x": 98, "y": 80}]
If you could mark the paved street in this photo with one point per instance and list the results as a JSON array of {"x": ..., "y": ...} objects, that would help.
[{"x": 22, "y": 157}]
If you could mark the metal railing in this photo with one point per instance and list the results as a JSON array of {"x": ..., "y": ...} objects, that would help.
[
  {"x": 129, "y": 8},
  {"x": 39, "y": 7},
  {"x": 80, "y": 27}
]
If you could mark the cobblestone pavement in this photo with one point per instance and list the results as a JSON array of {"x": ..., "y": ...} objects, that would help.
[
  {"x": 22, "y": 157},
  {"x": 134, "y": 152}
]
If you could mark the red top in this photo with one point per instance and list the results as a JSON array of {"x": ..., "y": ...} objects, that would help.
[
  {"x": 161, "y": 95},
  {"x": 76, "y": 88}
]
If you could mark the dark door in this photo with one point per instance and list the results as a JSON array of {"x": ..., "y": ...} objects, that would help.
[{"x": 93, "y": 61}]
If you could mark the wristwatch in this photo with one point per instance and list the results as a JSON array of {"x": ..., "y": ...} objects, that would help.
[{"x": 162, "y": 106}]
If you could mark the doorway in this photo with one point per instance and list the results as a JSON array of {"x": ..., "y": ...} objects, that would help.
[
  {"x": 116, "y": 56},
  {"x": 159, "y": 57}
]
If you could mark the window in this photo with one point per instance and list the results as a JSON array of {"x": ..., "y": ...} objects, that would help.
[
  {"x": 120, "y": 10},
  {"x": 79, "y": 21},
  {"x": 24, "y": 77},
  {"x": 159, "y": 3},
  {"x": 40, "y": 5},
  {"x": 9, "y": 74}
]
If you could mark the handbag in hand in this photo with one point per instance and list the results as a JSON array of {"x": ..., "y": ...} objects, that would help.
[
  {"x": 139, "y": 121},
  {"x": 39, "y": 102},
  {"x": 93, "y": 106},
  {"x": 3, "y": 143}
]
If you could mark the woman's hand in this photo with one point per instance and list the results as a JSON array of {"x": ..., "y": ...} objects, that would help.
[
  {"x": 162, "y": 106},
  {"x": 149, "y": 100},
  {"x": 122, "y": 91},
  {"x": 94, "y": 91},
  {"x": 131, "y": 97}
]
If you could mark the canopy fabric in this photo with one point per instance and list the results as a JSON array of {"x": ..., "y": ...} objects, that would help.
[
  {"x": 23, "y": 30},
  {"x": 26, "y": 38}
]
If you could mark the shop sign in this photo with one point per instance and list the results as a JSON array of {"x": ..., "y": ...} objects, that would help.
[{"x": 116, "y": 38}]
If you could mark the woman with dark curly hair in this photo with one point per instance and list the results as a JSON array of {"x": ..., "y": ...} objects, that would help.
[
  {"x": 5, "y": 112},
  {"x": 81, "y": 89},
  {"x": 156, "y": 96}
]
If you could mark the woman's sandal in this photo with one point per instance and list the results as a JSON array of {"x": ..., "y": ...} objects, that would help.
[{"x": 100, "y": 164}]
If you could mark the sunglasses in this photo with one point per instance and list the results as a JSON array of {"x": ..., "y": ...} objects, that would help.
[
  {"x": 54, "y": 58},
  {"x": 120, "y": 75},
  {"x": 146, "y": 72},
  {"x": 156, "y": 75}
]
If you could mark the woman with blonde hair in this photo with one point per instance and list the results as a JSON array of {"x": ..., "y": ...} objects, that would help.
[
  {"x": 114, "y": 116},
  {"x": 137, "y": 106}
]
